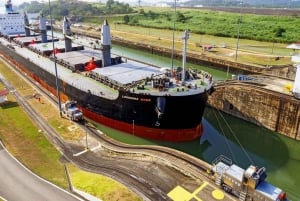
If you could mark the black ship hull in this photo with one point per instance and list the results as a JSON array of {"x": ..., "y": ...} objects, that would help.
[{"x": 169, "y": 118}]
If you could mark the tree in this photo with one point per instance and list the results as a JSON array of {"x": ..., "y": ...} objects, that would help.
[
  {"x": 180, "y": 17},
  {"x": 279, "y": 32},
  {"x": 126, "y": 19},
  {"x": 109, "y": 5},
  {"x": 142, "y": 11}
]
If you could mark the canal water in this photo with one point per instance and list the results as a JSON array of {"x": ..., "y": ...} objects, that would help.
[{"x": 243, "y": 142}]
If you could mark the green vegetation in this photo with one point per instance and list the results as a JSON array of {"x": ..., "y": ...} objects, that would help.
[
  {"x": 100, "y": 186},
  {"x": 281, "y": 29},
  {"x": 76, "y": 8},
  {"x": 269, "y": 28},
  {"x": 28, "y": 145},
  {"x": 24, "y": 140}
]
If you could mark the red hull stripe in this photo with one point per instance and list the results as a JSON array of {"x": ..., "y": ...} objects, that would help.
[{"x": 174, "y": 135}]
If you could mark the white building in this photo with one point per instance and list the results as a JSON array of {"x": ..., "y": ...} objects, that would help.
[{"x": 296, "y": 60}]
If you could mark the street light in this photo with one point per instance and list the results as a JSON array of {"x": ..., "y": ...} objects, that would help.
[
  {"x": 86, "y": 134},
  {"x": 54, "y": 56},
  {"x": 238, "y": 31}
]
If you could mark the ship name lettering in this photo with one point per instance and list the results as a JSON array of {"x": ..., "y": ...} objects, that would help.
[
  {"x": 130, "y": 97},
  {"x": 145, "y": 99}
]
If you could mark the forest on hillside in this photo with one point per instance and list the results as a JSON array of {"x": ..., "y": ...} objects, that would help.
[
  {"x": 246, "y": 3},
  {"x": 62, "y": 8}
]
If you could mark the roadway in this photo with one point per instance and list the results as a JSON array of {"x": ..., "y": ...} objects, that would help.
[{"x": 19, "y": 183}]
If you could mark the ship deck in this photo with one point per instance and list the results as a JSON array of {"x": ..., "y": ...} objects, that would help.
[
  {"x": 75, "y": 79},
  {"x": 34, "y": 39},
  {"x": 120, "y": 74}
]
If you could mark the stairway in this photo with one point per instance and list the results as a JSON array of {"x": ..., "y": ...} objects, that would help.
[
  {"x": 242, "y": 196},
  {"x": 218, "y": 180}
]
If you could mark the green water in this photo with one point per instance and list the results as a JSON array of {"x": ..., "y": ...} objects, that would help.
[
  {"x": 161, "y": 60},
  {"x": 243, "y": 142}
]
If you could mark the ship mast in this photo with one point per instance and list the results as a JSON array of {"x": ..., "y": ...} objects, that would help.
[
  {"x": 67, "y": 34},
  {"x": 106, "y": 43},
  {"x": 185, "y": 38},
  {"x": 26, "y": 24},
  {"x": 43, "y": 28}
]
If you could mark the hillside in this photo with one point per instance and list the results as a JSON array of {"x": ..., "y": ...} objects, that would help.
[{"x": 246, "y": 3}]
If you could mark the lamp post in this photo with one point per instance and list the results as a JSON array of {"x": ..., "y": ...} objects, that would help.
[
  {"x": 172, "y": 56},
  {"x": 238, "y": 31},
  {"x": 54, "y": 56},
  {"x": 86, "y": 134}
]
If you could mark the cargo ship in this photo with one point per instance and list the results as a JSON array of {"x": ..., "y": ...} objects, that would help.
[{"x": 141, "y": 99}]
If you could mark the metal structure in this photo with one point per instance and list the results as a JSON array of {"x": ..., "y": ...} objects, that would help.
[
  {"x": 70, "y": 111},
  {"x": 246, "y": 184}
]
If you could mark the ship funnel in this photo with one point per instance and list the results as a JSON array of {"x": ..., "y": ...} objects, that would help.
[
  {"x": 67, "y": 34},
  {"x": 26, "y": 24},
  {"x": 106, "y": 43},
  {"x": 43, "y": 29},
  {"x": 8, "y": 7}
]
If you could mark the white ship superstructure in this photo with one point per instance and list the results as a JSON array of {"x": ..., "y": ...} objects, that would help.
[{"x": 11, "y": 22}]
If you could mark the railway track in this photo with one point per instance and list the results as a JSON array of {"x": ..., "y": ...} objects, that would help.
[{"x": 145, "y": 188}]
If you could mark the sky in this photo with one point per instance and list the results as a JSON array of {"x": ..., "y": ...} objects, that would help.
[{"x": 17, "y": 2}]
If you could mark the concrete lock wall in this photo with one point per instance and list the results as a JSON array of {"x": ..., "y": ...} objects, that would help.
[{"x": 277, "y": 112}]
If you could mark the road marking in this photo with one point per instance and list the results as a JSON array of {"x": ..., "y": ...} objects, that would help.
[
  {"x": 181, "y": 194},
  {"x": 194, "y": 194},
  {"x": 95, "y": 148},
  {"x": 79, "y": 153},
  {"x": 218, "y": 194}
]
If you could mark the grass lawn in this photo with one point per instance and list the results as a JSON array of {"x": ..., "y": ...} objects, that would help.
[
  {"x": 249, "y": 51},
  {"x": 263, "y": 53},
  {"x": 24, "y": 140},
  {"x": 100, "y": 186}
]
